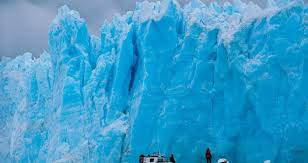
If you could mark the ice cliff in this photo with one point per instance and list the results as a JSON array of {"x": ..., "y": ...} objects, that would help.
[{"x": 230, "y": 77}]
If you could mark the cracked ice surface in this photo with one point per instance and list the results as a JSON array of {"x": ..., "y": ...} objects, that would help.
[{"x": 231, "y": 77}]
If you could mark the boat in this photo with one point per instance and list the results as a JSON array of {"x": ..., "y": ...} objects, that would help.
[
  {"x": 155, "y": 158},
  {"x": 222, "y": 160}
]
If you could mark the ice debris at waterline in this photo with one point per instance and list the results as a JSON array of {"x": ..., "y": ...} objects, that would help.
[{"x": 233, "y": 78}]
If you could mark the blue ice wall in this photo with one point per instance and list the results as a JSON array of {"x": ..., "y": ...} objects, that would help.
[{"x": 178, "y": 80}]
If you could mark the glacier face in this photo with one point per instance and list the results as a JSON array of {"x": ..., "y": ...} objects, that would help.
[{"x": 232, "y": 78}]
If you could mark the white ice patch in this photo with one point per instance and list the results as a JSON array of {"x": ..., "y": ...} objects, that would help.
[{"x": 118, "y": 126}]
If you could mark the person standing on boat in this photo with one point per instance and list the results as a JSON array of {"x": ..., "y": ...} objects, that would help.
[
  {"x": 141, "y": 158},
  {"x": 172, "y": 158},
  {"x": 208, "y": 155}
]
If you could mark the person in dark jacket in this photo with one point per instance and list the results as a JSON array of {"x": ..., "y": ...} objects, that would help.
[
  {"x": 141, "y": 158},
  {"x": 208, "y": 155},
  {"x": 172, "y": 158}
]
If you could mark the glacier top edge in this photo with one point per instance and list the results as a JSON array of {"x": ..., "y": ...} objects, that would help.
[{"x": 228, "y": 14}]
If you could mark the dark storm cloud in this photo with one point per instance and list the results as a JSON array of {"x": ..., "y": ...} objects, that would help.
[{"x": 24, "y": 24}]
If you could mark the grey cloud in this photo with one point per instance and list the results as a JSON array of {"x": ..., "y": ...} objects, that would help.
[
  {"x": 23, "y": 28},
  {"x": 24, "y": 24}
]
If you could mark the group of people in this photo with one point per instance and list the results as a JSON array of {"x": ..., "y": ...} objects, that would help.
[{"x": 208, "y": 157}]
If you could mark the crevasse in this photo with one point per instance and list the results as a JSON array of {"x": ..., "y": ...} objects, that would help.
[{"x": 178, "y": 80}]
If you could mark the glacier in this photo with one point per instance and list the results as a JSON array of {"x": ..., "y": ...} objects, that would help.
[{"x": 232, "y": 77}]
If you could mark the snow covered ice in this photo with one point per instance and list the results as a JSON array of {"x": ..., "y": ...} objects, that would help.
[{"x": 163, "y": 77}]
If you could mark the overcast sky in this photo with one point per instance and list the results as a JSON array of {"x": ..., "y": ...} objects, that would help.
[{"x": 24, "y": 24}]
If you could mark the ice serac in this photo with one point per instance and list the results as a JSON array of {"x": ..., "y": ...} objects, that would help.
[{"x": 231, "y": 77}]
